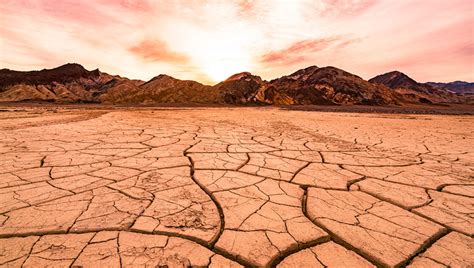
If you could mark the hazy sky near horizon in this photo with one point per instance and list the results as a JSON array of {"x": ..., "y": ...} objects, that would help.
[{"x": 207, "y": 41}]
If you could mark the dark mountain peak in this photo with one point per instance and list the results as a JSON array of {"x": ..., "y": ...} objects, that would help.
[
  {"x": 164, "y": 81},
  {"x": 243, "y": 76},
  {"x": 315, "y": 69},
  {"x": 96, "y": 72},
  {"x": 396, "y": 73},
  {"x": 395, "y": 79},
  {"x": 458, "y": 82},
  {"x": 331, "y": 70},
  {"x": 69, "y": 67},
  {"x": 163, "y": 77},
  {"x": 63, "y": 74},
  {"x": 297, "y": 75},
  {"x": 313, "y": 73},
  {"x": 240, "y": 88},
  {"x": 160, "y": 81},
  {"x": 309, "y": 69},
  {"x": 69, "y": 70}
]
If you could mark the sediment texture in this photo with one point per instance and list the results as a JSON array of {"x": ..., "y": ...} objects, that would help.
[{"x": 234, "y": 187}]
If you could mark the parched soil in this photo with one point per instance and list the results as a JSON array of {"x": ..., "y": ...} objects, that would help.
[{"x": 92, "y": 186}]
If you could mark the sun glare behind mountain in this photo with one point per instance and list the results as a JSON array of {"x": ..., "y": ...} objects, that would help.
[
  {"x": 224, "y": 55},
  {"x": 220, "y": 69}
]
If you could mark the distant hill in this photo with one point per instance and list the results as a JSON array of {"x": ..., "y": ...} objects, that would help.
[
  {"x": 395, "y": 79},
  {"x": 398, "y": 79},
  {"x": 413, "y": 91},
  {"x": 458, "y": 87}
]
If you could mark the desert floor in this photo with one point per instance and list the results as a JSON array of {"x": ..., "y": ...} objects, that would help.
[{"x": 227, "y": 187}]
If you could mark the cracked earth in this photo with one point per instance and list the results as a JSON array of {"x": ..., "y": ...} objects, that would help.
[{"x": 231, "y": 187}]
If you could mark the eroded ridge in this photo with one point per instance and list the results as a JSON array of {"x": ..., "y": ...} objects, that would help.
[{"x": 234, "y": 187}]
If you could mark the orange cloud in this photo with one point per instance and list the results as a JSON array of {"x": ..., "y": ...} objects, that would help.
[
  {"x": 246, "y": 5},
  {"x": 298, "y": 51},
  {"x": 345, "y": 7},
  {"x": 98, "y": 13},
  {"x": 157, "y": 51},
  {"x": 132, "y": 5}
]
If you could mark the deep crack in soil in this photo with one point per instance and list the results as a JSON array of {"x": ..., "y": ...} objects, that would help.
[{"x": 255, "y": 187}]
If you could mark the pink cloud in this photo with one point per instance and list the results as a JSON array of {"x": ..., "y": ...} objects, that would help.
[
  {"x": 100, "y": 12},
  {"x": 25, "y": 51},
  {"x": 345, "y": 7},
  {"x": 132, "y": 5},
  {"x": 83, "y": 12},
  {"x": 246, "y": 5},
  {"x": 321, "y": 7},
  {"x": 300, "y": 50},
  {"x": 157, "y": 51}
]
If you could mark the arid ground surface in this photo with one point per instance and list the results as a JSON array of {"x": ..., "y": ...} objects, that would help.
[{"x": 227, "y": 187}]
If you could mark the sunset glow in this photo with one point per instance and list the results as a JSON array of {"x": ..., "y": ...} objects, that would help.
[{"x": 207, "y": 41}]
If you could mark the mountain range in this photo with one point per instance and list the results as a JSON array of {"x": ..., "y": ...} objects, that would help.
[
  {"x": 72, "y": 83},
  {"x": 458, "y": 87}
]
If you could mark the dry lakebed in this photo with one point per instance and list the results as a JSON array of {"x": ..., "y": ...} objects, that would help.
[{"x": 228, "y": 187}]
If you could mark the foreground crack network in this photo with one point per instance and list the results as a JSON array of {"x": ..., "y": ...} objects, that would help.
[{"x": 204, "y": 188}]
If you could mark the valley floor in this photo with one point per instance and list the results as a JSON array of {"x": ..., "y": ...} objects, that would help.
[{"x": 124, "y": 186}]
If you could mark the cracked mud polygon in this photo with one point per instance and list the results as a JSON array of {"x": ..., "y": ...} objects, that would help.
[{"x": 231, "y": 187}]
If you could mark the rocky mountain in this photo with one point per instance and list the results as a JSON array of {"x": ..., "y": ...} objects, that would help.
[
  {"x": 330, "y": 85},
  {"x": 162, "y": 89},
  {"x": 240, "y": 88},
  {"x": 412, "y": 91},
  {"x": 246, "y": 88},
  {"x": 312, "y": 85},
  {"x": 67, "y": 83},
  {"x": 397, "y": 79},
  {"x": 458, "y": 87},
  {"x": 63, "y": 74}
]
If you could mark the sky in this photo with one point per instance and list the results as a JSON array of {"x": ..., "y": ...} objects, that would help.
[{"x": 207, "y": 41}]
